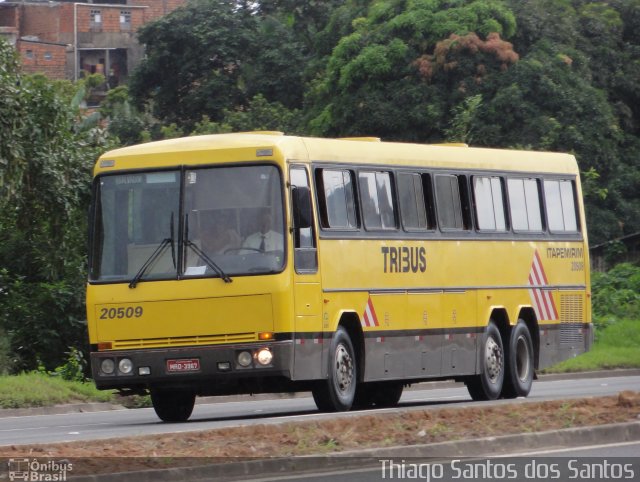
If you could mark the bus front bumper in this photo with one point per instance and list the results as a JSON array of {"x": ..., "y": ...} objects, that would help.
[{"x": 149, "y": 368}]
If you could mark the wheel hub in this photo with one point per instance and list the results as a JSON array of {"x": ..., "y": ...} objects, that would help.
[
  {"x": 493, "y": 360},
  {"x": 344, "y": 368}
]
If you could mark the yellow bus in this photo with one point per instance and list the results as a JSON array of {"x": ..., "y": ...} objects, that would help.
[{"x": 258, "y": 262}]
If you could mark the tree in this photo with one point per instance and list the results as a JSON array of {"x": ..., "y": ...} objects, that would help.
[
  {"x": 195, "y": 60},
  {"x": 544, "y": 102},
  {"x": 407, "y": 65},
  {"x": 12, "y": 156},
  {"x": 48, "y": 149},
  {"x": 259, "y": 115},
  {"x": 220, "y": 54}
]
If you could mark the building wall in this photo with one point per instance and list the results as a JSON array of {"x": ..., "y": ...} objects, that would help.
[
  {"x": 158, "y": 8},
  {"x": 43, "y": 58},
  {"x": 9, "y": 16},
  {"x": 42, "y": 21},
  {"x": 9, "y": 21}
]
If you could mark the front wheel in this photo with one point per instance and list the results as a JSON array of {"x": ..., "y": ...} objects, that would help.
[
  {"x": 519, "y": 365},
  {"x": 487, "y": 385},
  {"x": 337, "y": 392},
  {"x": 173, "y": 406}
]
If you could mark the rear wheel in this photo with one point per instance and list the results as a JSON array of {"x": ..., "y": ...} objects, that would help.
[
  {"x": 337, "y": 392},
  {"x": 519, "y": 366},
  {"x": 487, "y": 385},
  {"x": 173, "y": 406}
]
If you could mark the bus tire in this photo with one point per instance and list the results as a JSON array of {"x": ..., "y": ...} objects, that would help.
[
  {"x": 337, "y": 392},
  {"x": 519, "y": 365},
  {"x": 487, "y": 385},
  {"x": 173, "y": 406}
]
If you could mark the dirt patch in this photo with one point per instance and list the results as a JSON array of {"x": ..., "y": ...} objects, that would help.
[{"x": 331, "y": 436}]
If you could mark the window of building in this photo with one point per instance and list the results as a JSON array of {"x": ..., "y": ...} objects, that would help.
[
  {"x": 29, "y": 54},
  {"x": 377, "y": 200},
  {"x": 452, "y": 202},
  {"x": 561, "y": 208},
  {"x": 413, "y": 202},
  {"x": 96, "y": 18},
  {"x": 338, "y": 202},
  {"x": 489, "y": 203},
  {"x": 48, "y": 56},
  {"x": 125, "y": 19},
  {"x": 524, "y": 202}
]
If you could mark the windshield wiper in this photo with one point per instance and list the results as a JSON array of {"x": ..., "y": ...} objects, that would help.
[
  {"x": 211, "y": 263},
  {"x": 155, "y": 255}
]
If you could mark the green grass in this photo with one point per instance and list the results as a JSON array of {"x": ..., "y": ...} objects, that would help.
[
  {"x": 38, "y": 390},
  {"x": 616, "y": 346}
]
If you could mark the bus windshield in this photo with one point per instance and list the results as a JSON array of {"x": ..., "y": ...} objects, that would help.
[{"x": 232, "y": 224}]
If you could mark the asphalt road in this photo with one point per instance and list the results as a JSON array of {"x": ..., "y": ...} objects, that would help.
[{"x": 122, "y": 423}]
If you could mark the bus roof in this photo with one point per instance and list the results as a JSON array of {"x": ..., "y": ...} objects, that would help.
[{"x": 250, "y": 146}]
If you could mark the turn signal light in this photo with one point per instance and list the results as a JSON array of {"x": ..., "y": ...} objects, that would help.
[
  {"x": 265, "y": 336},
  {"x": 105, "y": 345}
]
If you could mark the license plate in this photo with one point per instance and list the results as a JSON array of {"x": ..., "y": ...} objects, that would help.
[{"x": 183, "y": 365}]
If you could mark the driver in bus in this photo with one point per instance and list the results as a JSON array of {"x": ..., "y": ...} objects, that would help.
[
  {"x": 217, "y": 236},
  {"x": 266, "y": 238}
]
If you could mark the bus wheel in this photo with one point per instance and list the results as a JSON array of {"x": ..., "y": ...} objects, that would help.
[
  {"x": 336, "y": 394},
  {"x": 173, "y": 406},
  {"x": 519, "y": 365},
  {"x": 488, "y": 384}
]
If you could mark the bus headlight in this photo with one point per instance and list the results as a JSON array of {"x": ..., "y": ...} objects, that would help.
[
  {"x": 244, "y": 358},
  {"x": 107, "y": 366},
  {"x": 125, "y": 366},
  {"x": 264, "y": 356}
]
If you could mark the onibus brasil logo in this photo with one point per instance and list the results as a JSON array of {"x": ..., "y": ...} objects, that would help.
[{"x": 35, "y": 470}]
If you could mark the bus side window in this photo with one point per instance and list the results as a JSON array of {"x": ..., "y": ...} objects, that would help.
[
  {"x": 304, "y": 243},
  {"x": 416, "y": 204},
  {"x": 489, "y": 203},
  {"x": 303, "y": 236},
  {"x": 376, "y": 199},
  {"x": 524, "y": 203},
  {"x": 337, "y": 201},
  {"x": 561, "y": 207},
  {"x": 452, "y": 201}
]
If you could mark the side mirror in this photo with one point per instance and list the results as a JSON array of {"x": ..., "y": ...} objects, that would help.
[{"x": 302, "y": 213}]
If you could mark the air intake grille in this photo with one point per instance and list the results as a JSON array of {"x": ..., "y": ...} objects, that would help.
[
  {"x": 571, "y": 319},
  {"x": 571, "y": 309},
  {"x": 185, "y": 341}
]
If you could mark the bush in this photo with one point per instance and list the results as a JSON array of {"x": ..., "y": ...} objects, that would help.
[{"x": 616, "y": 293}]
